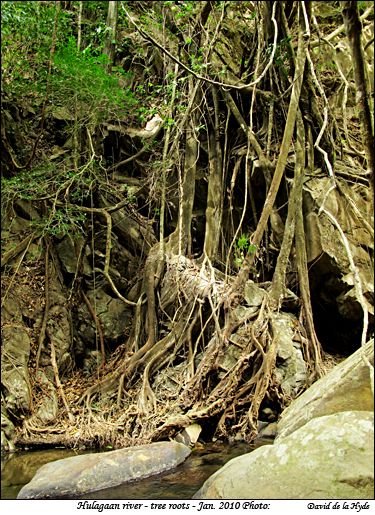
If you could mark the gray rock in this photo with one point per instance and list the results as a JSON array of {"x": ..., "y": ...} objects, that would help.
[
  {"x": 113, "y": 314},
  {"x": 49, "y": 405},
  {"x": 291, "y": 369},
  {"x": 346, "y": 387},
  {"x": 253, "y": 294},
  {"x": 14, "y": 372},
  {"x": 7, "y": 431},
  {"x": 189, "y": 435},
  {"x": 323, "y": 240},
  {"x": 330, "y": 457},
  {"x": 68, "y": 251},
  {"x": 72, "y": 477},
  {"x": 268, "y": 431}
]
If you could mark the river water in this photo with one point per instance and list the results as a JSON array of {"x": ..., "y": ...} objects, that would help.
[{"x": 179, "y": 483}]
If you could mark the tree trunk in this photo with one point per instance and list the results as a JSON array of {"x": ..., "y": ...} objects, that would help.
[
  {"x": 353, "y": 27},
  {"x": 109, "y": 47},
  {"x": 215, "y": 199}
]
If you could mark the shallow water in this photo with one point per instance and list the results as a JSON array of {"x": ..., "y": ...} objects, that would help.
[{"x": 179, "y": 483}]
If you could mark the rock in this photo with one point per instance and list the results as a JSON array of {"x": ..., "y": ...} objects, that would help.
[
  {"x": 59, "y": 323},
  {"x": 139, "y": 233},
  {"x": 14, "y": 372},
  {"x": 268, "y": 415},
  {"x": 69, "y": 251},
  {"x": 253, "y": 294},
  {"x": 291, "y": 370},
  {"x": 113, "y": 314},
  {"x": 337, "y": 310},
  {"x": 72, "y": 477},
  {"x": 189, "y": 436},
  {"x": 346, "y": 387},
  {"x": 330, "y": 457},
  {"x": 26, "y": 209},
  {"x": 92, "y": 362},
  {"x": 7, "y": 431},
  {"x": 267, "y": 432},
  {"x": 49, "y": 405}
]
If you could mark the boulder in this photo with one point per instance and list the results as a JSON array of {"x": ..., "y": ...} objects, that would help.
[
  {"x": 346, "y": 387},
  {"x": 69, "y": 250},
  {"x": 75, "y": 476},
  {"x": 330, "y": 457},
  {"x": 113, "y": 314}
]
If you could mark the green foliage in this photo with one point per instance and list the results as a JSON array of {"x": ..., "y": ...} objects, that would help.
[
  {"x": 363, "y": 5},
  {"x": 63, "y": 221},
  {"x": 243, "y": 242},
  {"x": 26, "y": 30},
  {"x": 196, "y": 61},
  {"x": 28, "y": 185},
  {"x": 78, "y": 81},
  {"x": 81, "y": 76},
  {"x": 243, "y": 246}
]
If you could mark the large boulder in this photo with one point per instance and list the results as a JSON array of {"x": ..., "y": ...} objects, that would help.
[
  {"x": 73, "y": 477},
  {"x": 346, "y": 387},
  {"x": 330, "y": 457}
]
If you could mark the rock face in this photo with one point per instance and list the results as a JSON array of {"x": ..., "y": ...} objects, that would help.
[
  {"x": 112, "y": 313},
  {"x": 72, "y": 477},
  {"x": 330, "y": 457},
  {"x": 15, "y": 351},
  {"x": 333, "y": 294},
  {"x": 347, "y": 387}
]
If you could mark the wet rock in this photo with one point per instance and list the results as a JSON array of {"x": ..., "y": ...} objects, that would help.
[
  {"x": 75, "y": 476},
  {"x": 330, "y": 457},
  {"x": 346, "y": 387}
]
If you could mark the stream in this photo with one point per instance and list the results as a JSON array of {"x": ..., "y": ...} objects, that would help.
[{"x": 180, "y": 483}]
